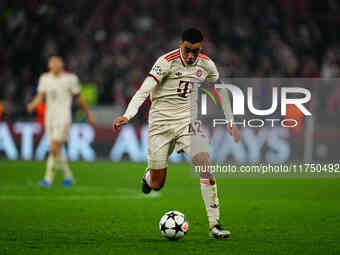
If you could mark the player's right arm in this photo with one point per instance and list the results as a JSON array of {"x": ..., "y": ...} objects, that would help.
[
  {"x": 159, "y": 70},
  {"x": 38, "y": 98},
  {"x": 136, "y": 101}
]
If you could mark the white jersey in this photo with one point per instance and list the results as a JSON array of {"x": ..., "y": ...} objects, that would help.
[
  {"x": 171, "y": 98},
  {"x": 59, "y": 91},
  {"x": 172, "y": 86}
]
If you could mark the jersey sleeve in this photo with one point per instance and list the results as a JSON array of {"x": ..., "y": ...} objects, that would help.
[
  {"x": 160, "y": 70},
  {"x": 75, "y": 85},
  {"x": 41, "y": 85},
  {"x": 213, "y": 74},
  {"x": 226, "y": 104},
  {"x": 139, "y": 98}
]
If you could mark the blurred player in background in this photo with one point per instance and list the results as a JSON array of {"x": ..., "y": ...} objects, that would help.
[
  {"x": 58, "y": 88},
  {"x": 169, "y": 84}
]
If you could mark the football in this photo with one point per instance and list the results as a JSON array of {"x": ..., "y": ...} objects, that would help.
[{"x": 173, "y": 225}]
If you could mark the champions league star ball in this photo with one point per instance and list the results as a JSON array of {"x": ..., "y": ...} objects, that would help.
[{"x": 173, "y": 225}]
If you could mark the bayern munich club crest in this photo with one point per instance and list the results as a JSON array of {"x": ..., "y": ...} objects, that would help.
[{"x": 199, "y": 73}]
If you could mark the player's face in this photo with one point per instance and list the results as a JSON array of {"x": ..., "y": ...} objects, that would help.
[
  {"x": 55, "y": 64},
  {"x": 190, "y": 51}
]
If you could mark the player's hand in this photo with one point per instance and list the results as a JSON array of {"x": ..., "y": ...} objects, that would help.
[
  {"x": 90, "y": 118},
  {"x": 120, "y": 121},
  {"x": 234, "y": 132},
  {"x": 30, "y": 108}
]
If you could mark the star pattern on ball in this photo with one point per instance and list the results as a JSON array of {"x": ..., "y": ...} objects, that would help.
[
  {"x": 177, "y": 228},
  {"x": 163, "y": 227},
  {"x": 172, "y": 215}
]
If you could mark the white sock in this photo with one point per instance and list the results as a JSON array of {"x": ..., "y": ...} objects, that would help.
[
  {"x": 62, "y": 163},
  {"x": 148, "y": 178},
  {"x": 210, "y": 198},
  {"x": 50, "y": 169}
]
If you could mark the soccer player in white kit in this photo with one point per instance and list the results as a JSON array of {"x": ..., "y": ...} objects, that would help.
[
  {"x": 58, "y": 88},
  {"x": 169, "y": 84}
]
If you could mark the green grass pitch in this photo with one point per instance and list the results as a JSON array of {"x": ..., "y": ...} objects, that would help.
[{"x": 105, "y": 213}]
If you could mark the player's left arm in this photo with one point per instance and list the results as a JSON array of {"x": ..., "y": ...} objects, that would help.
[
  {"x": 213, "y": 76},
  {"x": 80, "y": 100}
]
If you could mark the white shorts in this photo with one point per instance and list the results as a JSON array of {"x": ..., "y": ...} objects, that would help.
[
  {"x": 163, "y": 139},
  {"x": 57, "y": 131}
]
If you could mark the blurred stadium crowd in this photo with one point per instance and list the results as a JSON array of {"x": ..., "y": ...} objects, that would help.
[{"x": 111, "y": 45}]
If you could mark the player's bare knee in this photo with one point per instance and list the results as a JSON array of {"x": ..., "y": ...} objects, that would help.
[{"x": 55, "y": 149}]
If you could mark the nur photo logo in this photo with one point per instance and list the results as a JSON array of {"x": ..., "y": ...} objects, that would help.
[{"x": 242, "y": 102}]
